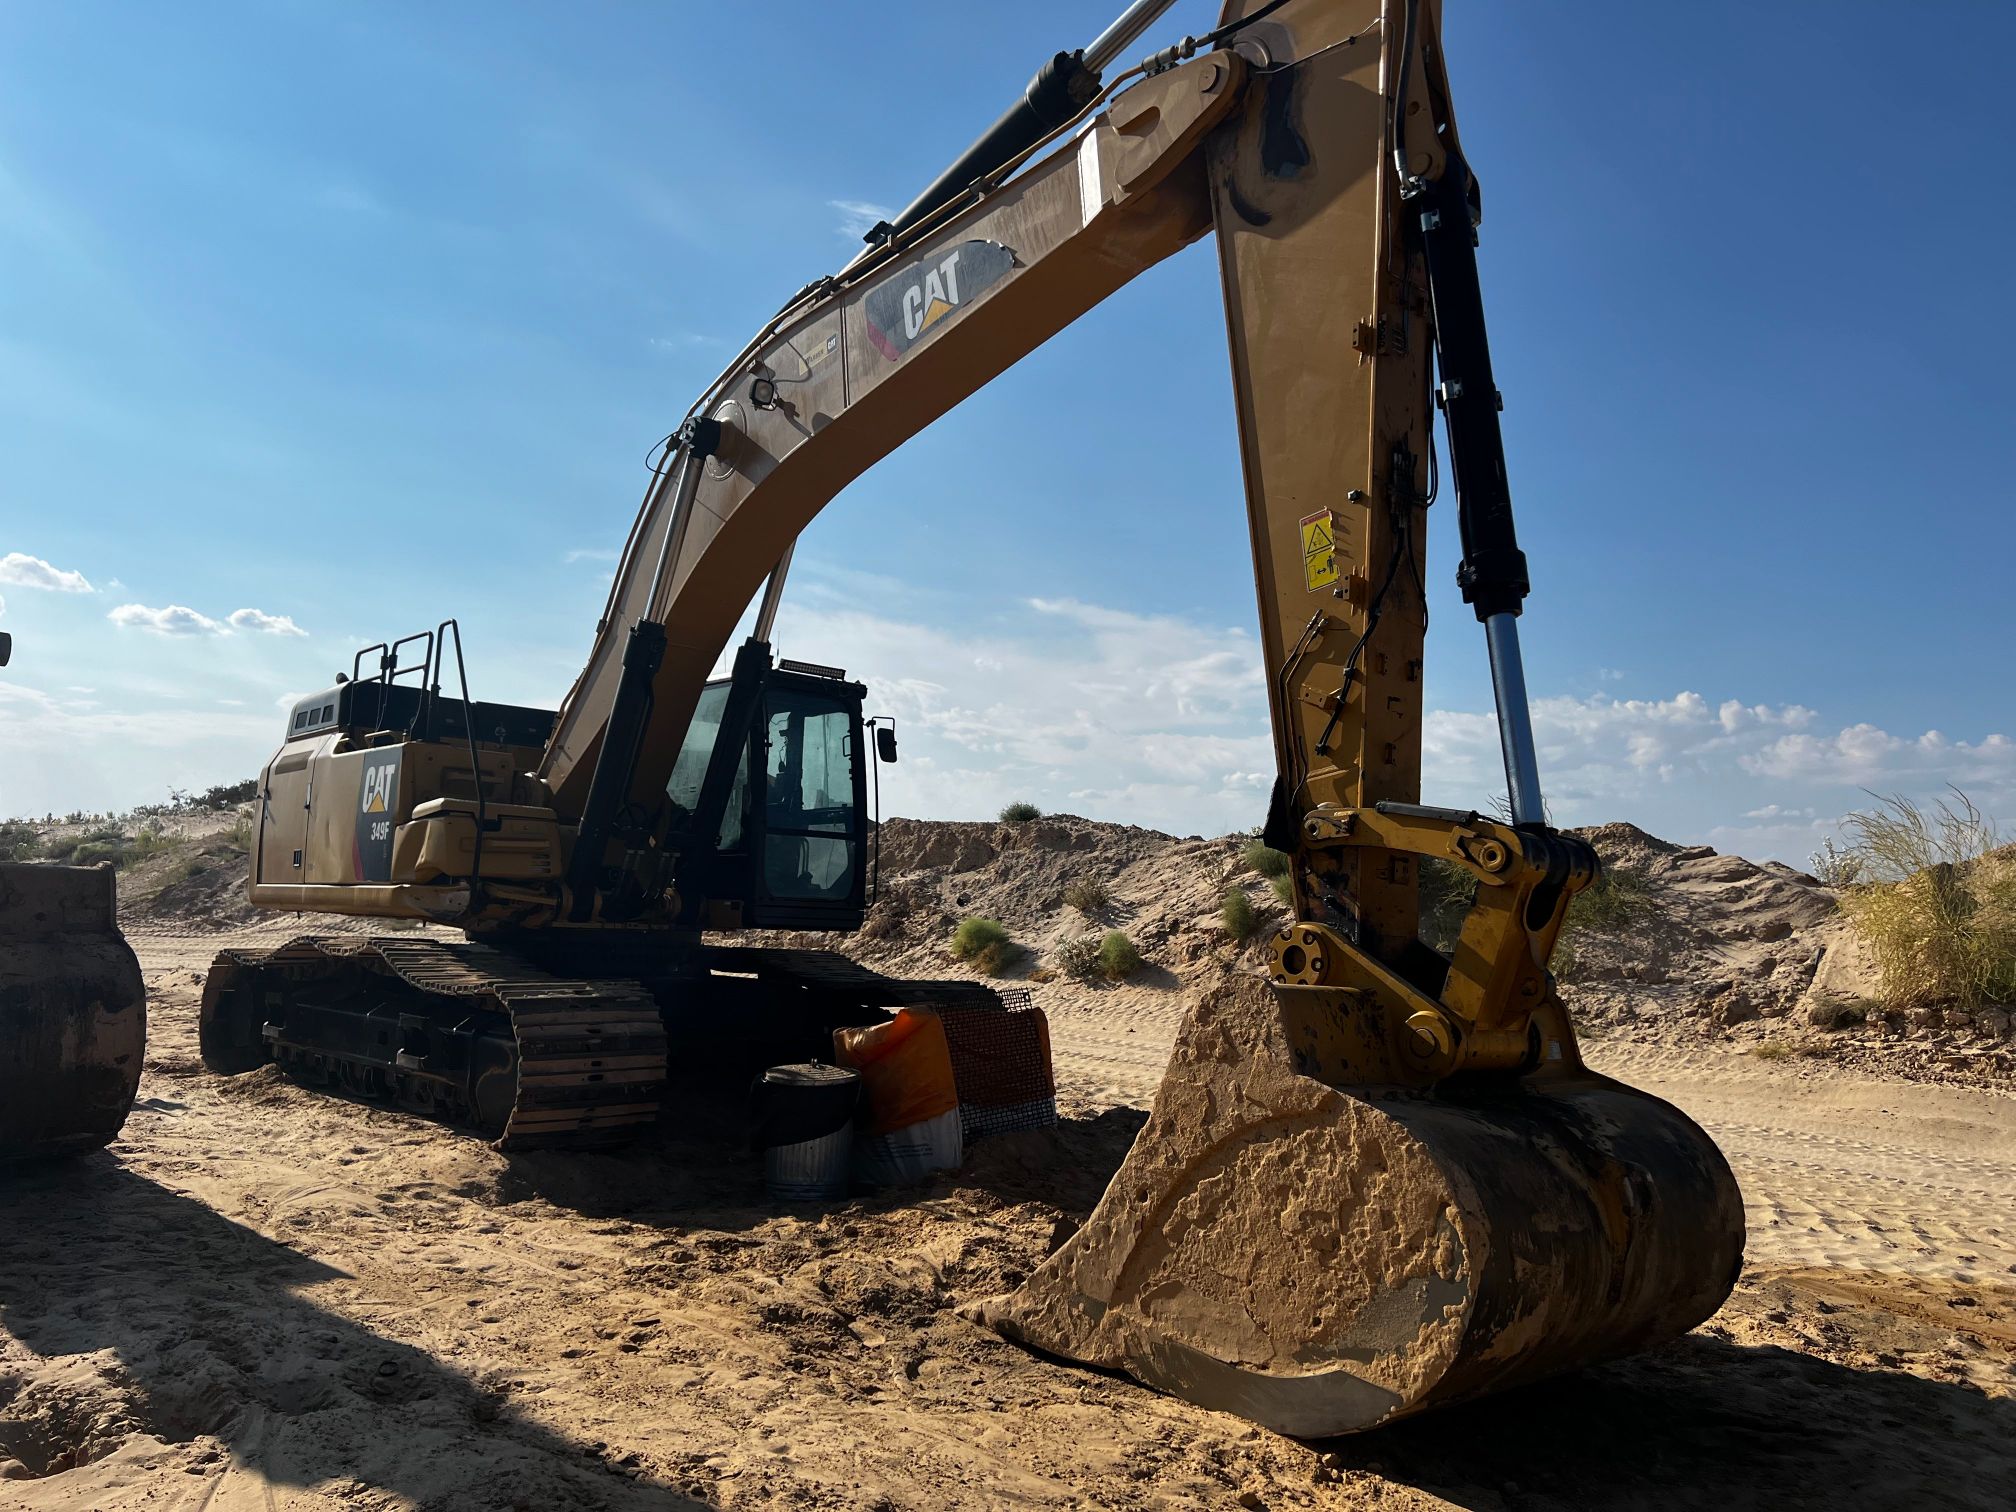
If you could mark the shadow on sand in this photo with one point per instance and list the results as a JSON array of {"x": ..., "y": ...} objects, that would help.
[
  {"x": 200, "y": 1333},
  {"x": 1706, "y": 1423}
]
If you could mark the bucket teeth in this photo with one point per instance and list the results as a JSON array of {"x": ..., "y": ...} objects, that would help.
[{"x": 1321, "y": 1259}]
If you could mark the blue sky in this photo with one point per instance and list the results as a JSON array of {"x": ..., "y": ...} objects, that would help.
[{"x": 357, "y": 316}]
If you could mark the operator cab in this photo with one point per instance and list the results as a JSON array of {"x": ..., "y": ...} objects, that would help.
[{"x": 791, "y": 846}]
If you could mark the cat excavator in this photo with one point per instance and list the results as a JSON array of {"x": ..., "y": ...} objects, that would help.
[{"x": 1380, "y": 1180}]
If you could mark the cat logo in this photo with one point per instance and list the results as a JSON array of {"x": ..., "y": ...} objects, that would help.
[
  {"x": 904, "y": 307},
  {"x": 377, "y": 788},
  {"x": 377, "y": 813}
]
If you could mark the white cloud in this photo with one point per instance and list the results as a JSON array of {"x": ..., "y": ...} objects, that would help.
[
  {"x": 175, "y": 619},
  {"x": 1162, "y": 721},
  {"x": 1143, "y": 718},
  {"x": 591, "y": 554},
  {"x": 859, "y": 217},
  {"x": 260, "y": 623},
  {"x": 1864, "y": 756},
  {"x": 25, "y": 571}
]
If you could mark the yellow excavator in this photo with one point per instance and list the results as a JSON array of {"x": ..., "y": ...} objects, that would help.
[
  {"x": 73, "y": 1008},
  {"x": 1381, "y": 1181}
]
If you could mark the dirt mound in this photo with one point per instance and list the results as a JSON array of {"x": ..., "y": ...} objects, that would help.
[
  {"x": 1681, "y": 945},
  {"x": 1714, "y": 946}
]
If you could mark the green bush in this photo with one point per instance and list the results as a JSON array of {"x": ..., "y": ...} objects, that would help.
[
  {"x": 91, "y": 852},
  {"x": 1447, "y": 890},
  {"x": 1238, "y": 914},
  {"x": 1264, "y": 859},
  {"x": 1617, "y": 900},
  {"x": 18, "y": 841},
  {"x": 984, "y": 945},
  {"x": 1087, "y": 897},
  {"x": 1117, "y": 956},
  {"x": 1020, "y": 813},
  {"x": 1284, "y": 890},
  {"x": 239, "y": 836}
]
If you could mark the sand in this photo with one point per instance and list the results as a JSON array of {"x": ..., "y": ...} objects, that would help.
[{"x": 266, "y": 1298}]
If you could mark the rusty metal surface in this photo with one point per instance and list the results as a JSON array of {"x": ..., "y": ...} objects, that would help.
[
  {"x": 73, "y": 1012},
  {"x": 590, "y": 1052}
]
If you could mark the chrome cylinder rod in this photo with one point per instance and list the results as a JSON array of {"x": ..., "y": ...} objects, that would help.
[
  {"x": 1515, "y": 719},
  {"x": 685, "y": 483},
  {"x": 1124, "y": 32},
  {"x": 773, "y": 595}
]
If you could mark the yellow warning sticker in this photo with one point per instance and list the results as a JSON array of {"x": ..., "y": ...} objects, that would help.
[{"x": 1319, "y": 551}]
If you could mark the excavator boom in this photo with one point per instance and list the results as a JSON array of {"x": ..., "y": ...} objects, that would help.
[{"x": 1383, "y": 1180}]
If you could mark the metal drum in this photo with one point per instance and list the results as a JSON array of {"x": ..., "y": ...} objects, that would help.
[{"x": 73, "y": 1011}]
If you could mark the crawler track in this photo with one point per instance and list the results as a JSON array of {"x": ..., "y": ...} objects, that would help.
[{"x": 453, "y": 1029}]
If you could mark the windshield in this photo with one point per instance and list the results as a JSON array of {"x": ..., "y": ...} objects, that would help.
[{"x": 809, "y": 797}]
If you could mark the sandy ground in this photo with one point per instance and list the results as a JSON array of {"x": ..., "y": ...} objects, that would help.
[{"x": 262, "y": 1298}]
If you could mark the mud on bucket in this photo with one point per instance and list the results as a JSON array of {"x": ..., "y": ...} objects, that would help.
[{"x": 805, "y": 1129}]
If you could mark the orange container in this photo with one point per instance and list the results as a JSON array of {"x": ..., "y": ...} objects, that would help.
[{"x": 905, "y": 1066}]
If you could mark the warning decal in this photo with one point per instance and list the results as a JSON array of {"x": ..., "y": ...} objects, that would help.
[{"x": 1319, "y": 550}]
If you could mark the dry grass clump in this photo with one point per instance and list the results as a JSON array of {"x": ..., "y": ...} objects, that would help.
[
  {"x": 1934, "y": 894},
  {"x": 984, "y": 945},
  {"x": 1087, "y": 896},
  {"x": 1446, "y": 890}
]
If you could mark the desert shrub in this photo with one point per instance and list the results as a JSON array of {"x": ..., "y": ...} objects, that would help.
[
  {"x": 18, "y": 841},
  {"x": 1117, "y": 956},
  {"x": 1264, "y": 859},
  {"x": 1446, "y": 891},
  {"x": 239, "y": 836},
  {"x": 1238, "y": 914},
  {"x": 1935, "y": 897},
  {"x": 1078, "y": 957},
  {"x": 1020, "y": 813},
  {"x": 1087, "y": 896},
  {"x": 227, "y": 794},
  {"x": 91, "y": 852},
  {"x": 1833, "y": 866},
  {"x": 149, "y": 840},
  {"x": 984, "y": 945},
  {"x": 1617, "y": 900},
  {"x": 1773, "y": 1050},
  {"x": 1284, "y": 890}
]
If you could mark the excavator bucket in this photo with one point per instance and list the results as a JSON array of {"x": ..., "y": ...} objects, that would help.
[
  {"x": 73, "y": 1012},
  {"x": 1322, "y": 1258}
]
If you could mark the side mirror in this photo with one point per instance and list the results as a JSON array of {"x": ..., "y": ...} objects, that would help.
[
  {"x": 7, "y": 650},
  {"x": 885, "y": 743}
]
